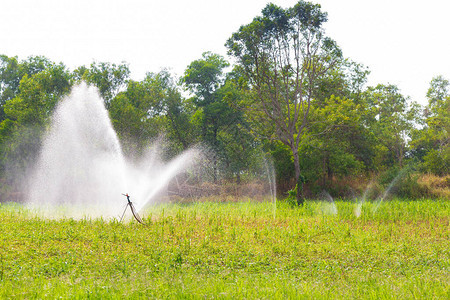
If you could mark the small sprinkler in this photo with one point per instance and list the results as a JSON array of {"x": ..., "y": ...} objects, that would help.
[{"x": 133, "y": 210}]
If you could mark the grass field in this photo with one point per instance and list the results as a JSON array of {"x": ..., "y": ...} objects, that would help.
[{"x": 232, "y": 250}]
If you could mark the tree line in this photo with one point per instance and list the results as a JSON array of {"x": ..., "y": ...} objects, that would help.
[{"x": 291, "y": 93}]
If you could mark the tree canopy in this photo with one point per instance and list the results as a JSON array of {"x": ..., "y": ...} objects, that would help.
[
  {"x": 283, "y": 53},
  {"x": 290, "y": 93}
]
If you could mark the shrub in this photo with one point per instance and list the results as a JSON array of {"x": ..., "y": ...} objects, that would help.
[
  {"x": 438, "y": 186},
  {"x": 437, "y": 162}
]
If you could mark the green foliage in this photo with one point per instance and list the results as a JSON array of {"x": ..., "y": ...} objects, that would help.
[
  {"x": 283, "y": 162},
  {"x": 26, "y": 112},
  {"x": 311, "y": 111},
  {"x": 222, "y": 126},
  {"x": 12, "y": 71},
  {"x": 335, "y": 144},
  {"x": 291, "y": 198},
  {"x": 432, "y": 143},
  {"x": 204, "y": 77},
  {"x": 34, "y": 98},
  {"x": 438, "y": 91},
  {"x": 9, "y": 78},
  {"x": 391, "y": 117},
  {"x": 149, "y": 109},
  {"x": 283, "y": 54},
  {"x": 437, "y": 162},
  {"x": 231, "y": 250},
  {"x": 388, "y": 176},
  {"x": 127, "y": 121},
  {"x": 402, "y": 182},
  {"x": 109, "y": 78},
  {"x": 408, "y": 187}
]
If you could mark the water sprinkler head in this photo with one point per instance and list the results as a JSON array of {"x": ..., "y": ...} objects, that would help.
[{"x": 133, "y": 210}]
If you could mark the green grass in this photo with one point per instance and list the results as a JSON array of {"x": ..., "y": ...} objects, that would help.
[{"x": 232, "y": 250}]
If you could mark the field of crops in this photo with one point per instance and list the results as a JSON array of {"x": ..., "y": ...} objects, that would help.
[{"x": 396, "y": 249}]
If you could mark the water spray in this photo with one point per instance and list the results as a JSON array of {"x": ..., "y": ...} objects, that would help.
[
  {"x": 81, "y": 148},
  {"x": 133, "y": 210}
]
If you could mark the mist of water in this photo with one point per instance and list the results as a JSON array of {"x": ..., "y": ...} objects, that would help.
[
  {"x": 327, "y": 206},
  {"x": 81, "y": 170},
  {"x": 270, "y": 170},
  {"x": 388, "y": 190},
  {"x": 381, "y": 197},
  {"x": 360, "y": 203}
]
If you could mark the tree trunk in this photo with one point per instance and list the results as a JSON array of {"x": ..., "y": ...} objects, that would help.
[
  {"x": 300, "y": 199},
  {"x": 324, "y": 171}
]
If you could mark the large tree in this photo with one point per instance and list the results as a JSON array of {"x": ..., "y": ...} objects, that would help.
[
  {"x": 204, "y": 77},
  {"x": 432, "y": 143},
  {"x": 282, "y": 54},
  {"x": 222, "y": 127},
  {"x": 391, "y": 117}
]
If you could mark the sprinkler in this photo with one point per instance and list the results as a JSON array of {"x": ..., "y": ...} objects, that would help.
[{"x": 133, "y": 210}]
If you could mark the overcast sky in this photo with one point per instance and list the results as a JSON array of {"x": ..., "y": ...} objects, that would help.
[{"x": 402, "y": 42}]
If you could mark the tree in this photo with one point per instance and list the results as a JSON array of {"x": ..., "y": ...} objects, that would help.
[
  {"x": 149, "y": 108},
  {"x": 28, "y": 112},
  {"x": 335, "y": 142},
  {"x": 178, "y": 113},
  {"x": 391, "y": 117},
  {"x": 203, "y": 78},
  {"x": 241, "y": 150},
  {"x": 438, "y": 92},
  {"x": 9, "y": 78},
  {"x": 432, "y": 143},
  {"x": 345, "y": 80},
  {"x": 282, "y": 54},
  {"x": 11, "y": 73},
  {"x": 223, "y": 127},
  {"x": 109, "y": 78}
]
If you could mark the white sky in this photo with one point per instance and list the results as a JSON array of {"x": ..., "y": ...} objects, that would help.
[{"x": 403, "y": 42}]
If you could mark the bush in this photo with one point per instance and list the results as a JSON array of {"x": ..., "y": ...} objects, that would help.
[
  {"x": 409, "y": 187},
  {"x": 402, "y": 183},
  {"x": 437, "y": 162},
  {"x": 438, "y": 186},
  {"x": 292, "y": 196}
]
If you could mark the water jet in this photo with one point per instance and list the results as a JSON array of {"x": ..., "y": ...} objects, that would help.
[{"x": 81, "y": 170}]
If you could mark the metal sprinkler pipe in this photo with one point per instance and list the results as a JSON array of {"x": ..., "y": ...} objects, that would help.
[{"x": 133, "y": 210}]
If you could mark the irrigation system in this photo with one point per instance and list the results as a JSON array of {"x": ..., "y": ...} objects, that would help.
[{"x": 133, "y": 210}]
